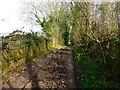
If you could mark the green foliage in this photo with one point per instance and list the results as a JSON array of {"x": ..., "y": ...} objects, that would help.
[
  {"x": 91, "y": 73},
  {"x": 99, "y": 39},
  {"x": 44, "y": 24},
  {"x": 66, "y": 37},
  {"x": 17, "y": 57},
  {"x": 65, "y": 32},
  {"x": 27, "y": 42},
  {"x": 4, "y": 44},
  {"x": 15, "y": 53},
  {"x": 96, "y": 31}
]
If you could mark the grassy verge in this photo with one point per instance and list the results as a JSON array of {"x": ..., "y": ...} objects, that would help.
[{"x": 91, "y": 74}]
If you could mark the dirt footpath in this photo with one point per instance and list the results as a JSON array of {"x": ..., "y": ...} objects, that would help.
[{"x": 54, "y": 70}]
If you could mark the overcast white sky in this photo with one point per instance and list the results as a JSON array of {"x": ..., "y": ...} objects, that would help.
[{"x": 10, "y": 16}]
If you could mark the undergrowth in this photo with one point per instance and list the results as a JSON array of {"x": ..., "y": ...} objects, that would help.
[{"x": 92, "y": 74}]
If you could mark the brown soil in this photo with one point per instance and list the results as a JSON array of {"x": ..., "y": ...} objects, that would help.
[{"x": 54, "y": 70}]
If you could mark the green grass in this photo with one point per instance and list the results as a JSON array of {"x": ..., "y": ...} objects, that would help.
[{"x": 91, "y": 73}]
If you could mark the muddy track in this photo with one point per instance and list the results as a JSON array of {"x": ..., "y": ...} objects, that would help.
[{"x": 55, "y": 70}]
